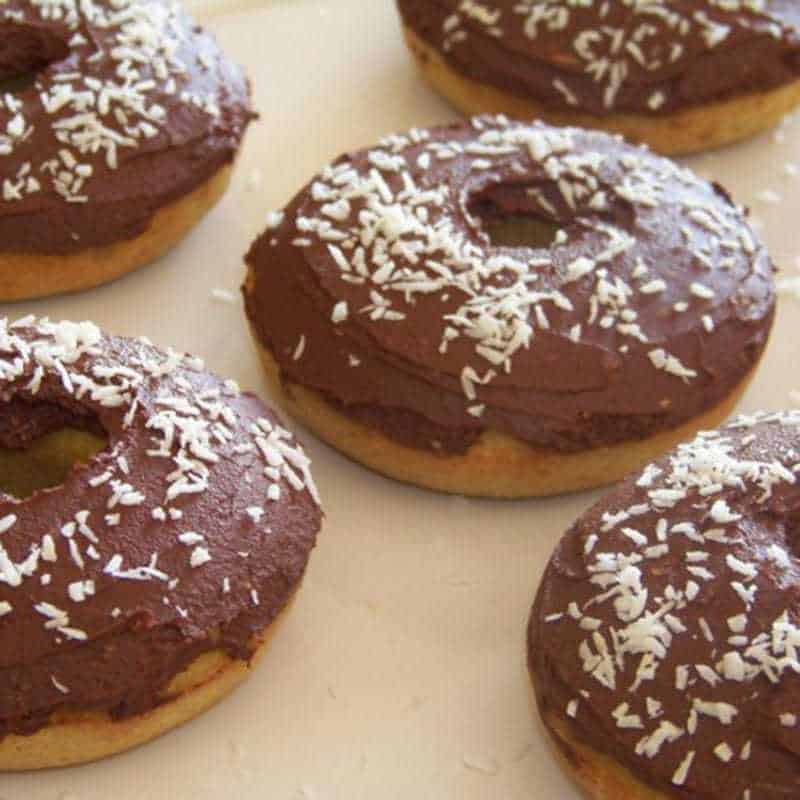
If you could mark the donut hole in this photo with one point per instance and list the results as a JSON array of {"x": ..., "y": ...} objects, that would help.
[
  {"x": 510, "y": 218},
  {"x": 24, "y": 52},
  {"x": 521, "y": 230},
  {"x": 41, "y": 443}
]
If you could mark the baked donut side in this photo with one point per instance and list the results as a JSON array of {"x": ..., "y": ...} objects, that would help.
[
  {"x": 661, "y": 645},
  {"x": 598, "y": 775},
  {"x": 496, "y": 464},
  {"x": 78, "y": 737},
  {"x": 146, "y": 584},
  {"x": 25, "y": 276},
  {"x": 113, "y": 143},
  {"x": 678, "y": 77},
  {"x": 414, "y": 343}
]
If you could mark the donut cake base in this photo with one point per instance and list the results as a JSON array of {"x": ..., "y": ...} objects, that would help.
[
  {"x": 695, "y": 129},
  {"x": 24, "y": 276},
  {"x": 77, "y": 738},
  {"x": 497, "y": 465},
  {"x": 596, "y": 774}
]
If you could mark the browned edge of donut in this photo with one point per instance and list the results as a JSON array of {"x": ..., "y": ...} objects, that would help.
[
  {"x": 73, "y": 738},
  {"x": 496, "y": 465},
  {"x": 689, "y": 131},
  {"x": 25, "y": 276},
  {"x": 598, "y": 775}
]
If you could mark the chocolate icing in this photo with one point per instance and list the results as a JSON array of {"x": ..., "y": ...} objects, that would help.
[
  {"x": 601, "y": 58},
  {"x": 217, "y": 517},
  {"x": 687, "y": 577},
  {"x": 369, "y": 287},
  {"x": 133, "y": 106}
]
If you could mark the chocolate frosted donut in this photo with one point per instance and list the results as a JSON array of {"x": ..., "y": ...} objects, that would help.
[
  {"x": 680, "y": 75},
  {"x": 139, "y": 591},
  {"x": 411, "y": 341},
  {"x": 663, "y": 645},
  {"x": 119, "y": 123}
]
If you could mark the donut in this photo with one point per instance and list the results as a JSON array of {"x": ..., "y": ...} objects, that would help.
[
  {"x": 139, "y": 585},
  {"x": 663, "y": 642},
  {"x": 501, "y": 309},
  {"x": 678, "y": 75},
  {"x": 119, "y": 124}
]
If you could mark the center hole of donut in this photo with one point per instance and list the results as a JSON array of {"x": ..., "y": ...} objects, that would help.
[
  {"x": 40, "y": 443},
  {"x": 24, "y": 53},
  {"x": 509, "y": 218},
  {"x": 521, "y": 230}
]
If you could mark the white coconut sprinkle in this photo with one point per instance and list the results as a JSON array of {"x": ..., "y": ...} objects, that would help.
[
  {"x": 340, "y": 312},
  {"x": 572, "y": 708},
  {"x": 200, "y": 556},
  {"x": 300, "y": 349},
  {"x": 682, "y": 772},
  {"x": 190, "y": 538},
  {"x": 255, "y": 513},
  {"x": 7, "y": 522},
  {"x": 223, "y": 296}
]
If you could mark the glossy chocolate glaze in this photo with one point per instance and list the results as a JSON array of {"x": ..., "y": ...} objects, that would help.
[
  {"x": 603, "y": 58},
  {"x": 188, "y": 533},
  {"x": 378, "y": 287},
  {"x": 132, "y": 107},
  {"x": 664, "y": 631}
]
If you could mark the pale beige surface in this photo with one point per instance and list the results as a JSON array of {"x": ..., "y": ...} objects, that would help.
[{"x": 400, "y": 673}]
